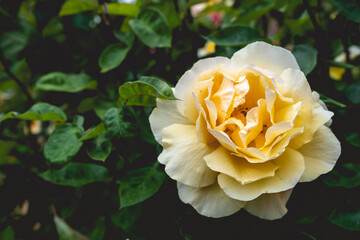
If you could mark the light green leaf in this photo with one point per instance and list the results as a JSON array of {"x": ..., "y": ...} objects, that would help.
[
  {"x": 63, "y": 143},
  {"x": 144, "y": 91},
  {"x": 140, "y": 184},
  {"x": 93, "y": 132},
  {"x": 336, "y": 179},
  {"x": 65, "y": 232},
  {"x": 349, "y": 8},
  {"x": 99, "y": 148},
  {"x": 347, "y": 219},
  {"x": 112, "y": 56},
  {"x": 353, "y": 92},
  {"x": 115, "y": 124},
  {"x": 76, "y": 174},
  {"x": 62, "y": 82},
  {"x": 152, "y": 28},
  {"x": 126, "y": 217},
  {"x": 306, "y": 56},
  {"x": 235, "y": 35},
  {"x": 255, "y": 11},
  {"x": 124, "y": 9},
  {"x": 71, "y": 7},
  {"x": 39, "y": 111}
]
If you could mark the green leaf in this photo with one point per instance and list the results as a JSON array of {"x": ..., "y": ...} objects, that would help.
[
  {"x": 307, "y": 219},
  {"x": 39, "y": 111},
  {"x": 353, "y": 139},
  {"x": 144, "y": 91},
  {"x": 76, "y": 174},
  {"x": 346, "y": 218},
  {"x": 7, "y": 233},
  {"x": 140, "y": 184},
  {"x": 115, "y": 124},
  {"x": 152, "y": 28},
  {"x": 65, "y": 232},
  {"x": 71, "y": 7},
  {"x": 329, "y": 100},
  {"x": 112, "y": 56},
  {"x": 93, "y": 132},
  {"x": 61, "y": 82},
  {"x": 336, "y": 179},
  {"x": 126, "y": 217},
  {"x": 63, "y": 143},
  {"x": 100, "y": 148},
  {"x": 255, "y": 11},
  {"x": 125, "y": 37},
  {"x": 123, "y": 9},
  {"x": 340, "y": 64},
  {"x": 349, "y": 8},
  {"x": 235, "y": 35},
  {"x": 306, "y": 56},
  {"x": 353, "y": 92}
]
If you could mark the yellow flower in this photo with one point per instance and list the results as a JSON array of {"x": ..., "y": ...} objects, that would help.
[
  {"x": 208, "y": 49},
  {"x": 243, "y": 133}
]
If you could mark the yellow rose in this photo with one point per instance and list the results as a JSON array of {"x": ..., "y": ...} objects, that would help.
[{"x": 243, "y": 133}]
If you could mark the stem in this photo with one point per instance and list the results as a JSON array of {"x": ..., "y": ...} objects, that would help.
[
  {"x": 312, "y": 17},
  {"x": 13, "y": 77}
]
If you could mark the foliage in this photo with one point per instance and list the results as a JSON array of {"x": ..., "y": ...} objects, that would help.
[{"x": 79, "y": 78}]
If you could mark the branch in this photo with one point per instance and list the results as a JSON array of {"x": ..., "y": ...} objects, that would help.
[{"x": 22, "y": 87}]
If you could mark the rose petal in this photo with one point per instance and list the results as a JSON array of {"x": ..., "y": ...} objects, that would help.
[
  {"x": 183, "y": 156},
  {"x": 320, "y": 154},
  {"x": 165, "y": 114},
  {"x": 291, "y": 167},
  {"x": 269, "y": 206},
  {"x": 221, "y": 160},
  {"x": 261, "y": 54},
  {"x": 209, "y": 201}
]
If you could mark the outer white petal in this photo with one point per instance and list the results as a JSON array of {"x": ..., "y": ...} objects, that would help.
[
  {"x": 291, "y": 168},
  {"x": 183, "y": 156},
  {"x": 165, "y": 114},
  {"x": 320, "y": 154},
  {"x": 266, "y": 56},
  {"x": 269, "y": 206},
  {"x": 209, "y": 201}
]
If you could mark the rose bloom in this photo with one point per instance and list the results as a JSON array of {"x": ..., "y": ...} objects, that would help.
[{"x": 243, "y": 132}]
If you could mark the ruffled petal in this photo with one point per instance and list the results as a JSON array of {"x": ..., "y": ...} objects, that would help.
[
  {"x": 291, "y": 167},
  {"x": 266, "y": 56},
  {"x": 320, "y": 154},
  {"x": 221, "y": 160},
  {"x": 269, "y": 206},
  {"x": 209, "y": 201},
  {"x": 183, "y": 156},
  {"x": 165, "y": 114}
]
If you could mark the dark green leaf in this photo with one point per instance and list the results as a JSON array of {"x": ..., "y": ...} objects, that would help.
[
  {"x": 126, "y": 217},
  {"x": 93, "y": 132},
  {"x": 347, "y": 219},
  {"x": 144, "y": 91},
  {"x": 336, "y": 179},
  {"x": 152, "y": 28},
  {"x": 306, "y": 56},
  {"x": 123, "y": 9},
  {"x": 39, "y": 111},
  {"x": 140, "y": 184},
  {"x": 353, "y": 138},
  {"x": 61, "y": 82},
  {"x": 100, "y": 148},
  {"x": 113, "y": 56},
  {"x": 340, "y": 64},
  {"x": 125, "y": 37},
  {"x": 235, "y": 35},
  {"x": 63, "y": 143},
  {"x": 307, "y": 219},
  {"x": 75, "y": 174},
  {"x": 353, "y": 92},
  {"x": 115, "y": 124},
  {"x": 71, "y": 7},
  {"x": 349, "y": 8},
  {"x": 255, "y": 11},
  {"x": 328, "y": 100},
  {"x": 79, "y": 121},
  {"x": 7, "y": 233}
]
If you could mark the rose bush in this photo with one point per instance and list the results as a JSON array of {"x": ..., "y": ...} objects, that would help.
[{"x": 243, "y": 132}]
